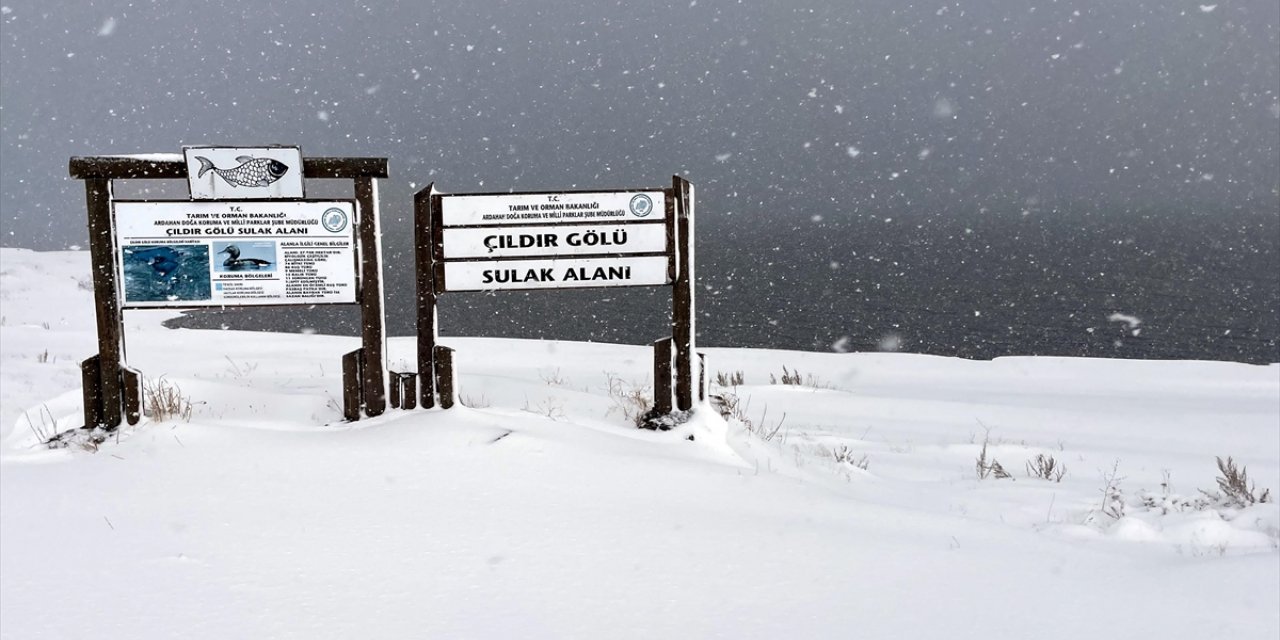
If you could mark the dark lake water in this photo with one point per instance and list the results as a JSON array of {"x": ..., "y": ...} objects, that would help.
[
  {"x": 1152, "y": 285},
  {"x": 165, "y": 273}
]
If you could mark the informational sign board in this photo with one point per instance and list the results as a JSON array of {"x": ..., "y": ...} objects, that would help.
[
  {"x": 200, "y": 254},
  {"x": 553, "y": 240},
  {"x": 539, "y": 208},
  {"x": 244, "y": 173}
]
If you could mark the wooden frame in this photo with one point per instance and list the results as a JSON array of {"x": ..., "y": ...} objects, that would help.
[
  {"x": 435, "y": 366},
  {"x": 110, "y": 386}
]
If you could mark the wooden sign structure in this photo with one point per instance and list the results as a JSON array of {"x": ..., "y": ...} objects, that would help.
[
  {"x": 554, "y": 240},
  {"x": 279, "y": 249}
]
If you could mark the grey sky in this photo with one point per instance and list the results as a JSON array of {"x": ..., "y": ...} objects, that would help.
[{"x": 778, "y": 111}]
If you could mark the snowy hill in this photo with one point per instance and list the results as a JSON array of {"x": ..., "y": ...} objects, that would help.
[{"x": 846, "y": 505}]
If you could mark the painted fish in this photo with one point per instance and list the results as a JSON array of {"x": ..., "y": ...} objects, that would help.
[{"x": 253, "y": 172}]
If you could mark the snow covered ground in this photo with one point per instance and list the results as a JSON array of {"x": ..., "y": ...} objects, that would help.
[{"x": 540, "y": 512}]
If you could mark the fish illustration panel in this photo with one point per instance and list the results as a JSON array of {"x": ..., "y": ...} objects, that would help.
[{"x": 243, "y": 173}]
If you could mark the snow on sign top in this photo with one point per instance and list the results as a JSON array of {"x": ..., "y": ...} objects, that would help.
[
  {"x": 550, "y": 208},
  {"x": 244, "y": 173}
]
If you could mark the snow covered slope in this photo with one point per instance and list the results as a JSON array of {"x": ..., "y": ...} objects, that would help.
[{"x": 844, "y": 506}]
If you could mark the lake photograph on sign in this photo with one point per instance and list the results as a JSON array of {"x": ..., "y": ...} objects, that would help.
[{"x": 166, "y": 273}]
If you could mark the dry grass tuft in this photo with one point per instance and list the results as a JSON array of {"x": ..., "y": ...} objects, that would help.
[
  {"x": 989, "y": 468},
  {"x": 633, "y": 400},
  {"x": 1235, "y": 488},
  {"x": 845, "y": 455},
  {"x": 163, "y": 401},
  {"x": 1046, "y": 468}
]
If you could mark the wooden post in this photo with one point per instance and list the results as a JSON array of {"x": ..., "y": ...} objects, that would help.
[
  {"x": 106, "y": 300},
  {"x": 351, "y": 385},
  {"x": 403, "y": 391},
  {"x": 393, "y": 393},
  {"x": 702, "y": 377},
  {"x": 673, "y": 254},
  {"x": 424, "y": 264},
  {"x": 445, "y": 381},
  {"x": 91, "y": 381},
  {"x": 372, "y": 321},
  {"x": 682, "y": 328},
  {"x": 409, "y": 390},
  {"x": 662, "y": 376},
  {"x": 131, "y": 381}
]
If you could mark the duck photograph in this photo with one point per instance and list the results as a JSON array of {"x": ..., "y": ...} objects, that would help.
[{"x": 245, "y": 256}]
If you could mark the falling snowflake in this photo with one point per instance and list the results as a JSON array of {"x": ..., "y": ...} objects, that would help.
[
  {"x": 943, "y": 108},
  {"x": 1131, "y": 322},
  {"x": 890, "y": 342}
]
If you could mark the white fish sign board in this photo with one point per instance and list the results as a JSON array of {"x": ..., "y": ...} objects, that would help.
[
  {"x": 551, "y": 208},
  {"x": 244, "y": 173},
  {"x": 556, "y": 274}
]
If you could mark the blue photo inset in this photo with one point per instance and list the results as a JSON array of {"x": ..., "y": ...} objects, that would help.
[
  {"x": 165, "y": 273},
  {"x": 244, "y": 256}
]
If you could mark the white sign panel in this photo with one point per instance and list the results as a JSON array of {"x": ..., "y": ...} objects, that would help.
[
  {"x": 555, "y": 274},
  {"x": 550, "y": 241},
  {"x": 202, "y": 254},
  {"x": 540, "y": 208},
  {"x": 244, "y": 173}
]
